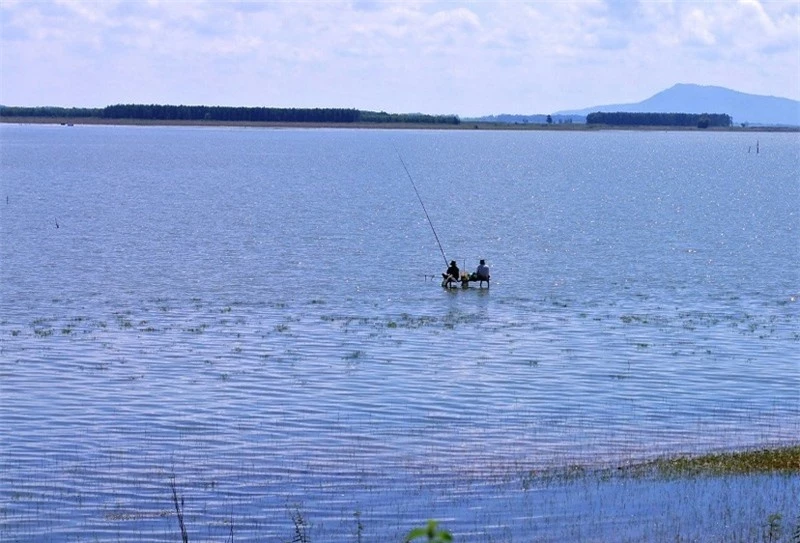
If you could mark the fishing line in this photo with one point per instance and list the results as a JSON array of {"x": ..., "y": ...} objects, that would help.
[{"x": 421, "y": 203}]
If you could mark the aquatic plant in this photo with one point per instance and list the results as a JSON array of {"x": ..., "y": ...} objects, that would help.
[
  {"x": 774, "y": 528},
  {"x": 779, "y": 460},
  {"x": 430, "y": 532},
  {"x": 300, "y": 527},
  {"x": 784, "y": 460},
  {"x": 179, "y": 511},
  {"x": 355, "y": 355},
  {"x": 359, "y": 526}
]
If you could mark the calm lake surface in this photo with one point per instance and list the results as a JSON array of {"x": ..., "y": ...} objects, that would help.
[{"x": 251, "y": 312}]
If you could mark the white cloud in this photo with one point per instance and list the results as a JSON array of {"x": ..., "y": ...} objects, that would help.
[
  {"x": 438, "y": 57},
  {"x": 697, "y": 26}
]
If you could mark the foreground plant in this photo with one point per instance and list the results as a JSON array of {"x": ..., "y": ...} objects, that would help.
[{"x": 431, "y": 532}]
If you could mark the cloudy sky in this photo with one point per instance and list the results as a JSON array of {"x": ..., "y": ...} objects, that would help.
[{"x": 467, "y": 58}]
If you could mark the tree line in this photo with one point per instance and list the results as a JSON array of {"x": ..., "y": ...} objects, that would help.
[
  {"x": 703, "y": 120},
  {"x": 156, "y": 112},
  {"x": 48, "y": 112}
]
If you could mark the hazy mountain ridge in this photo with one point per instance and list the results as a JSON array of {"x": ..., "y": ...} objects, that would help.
[{"x": 689, "y": 98}]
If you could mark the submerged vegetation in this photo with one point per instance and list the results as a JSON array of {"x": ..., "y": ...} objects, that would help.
[
  {"x": 775, "y": 527},
  {"x": 782, "y": 460}
]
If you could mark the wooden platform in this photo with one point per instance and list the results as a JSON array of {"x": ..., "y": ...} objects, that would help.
[{"x": 465, "y": 281}]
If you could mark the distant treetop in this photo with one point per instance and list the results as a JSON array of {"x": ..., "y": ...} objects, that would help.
[
  {"x": 156, "y": 112},
  {"x": 704, "y": 120}
]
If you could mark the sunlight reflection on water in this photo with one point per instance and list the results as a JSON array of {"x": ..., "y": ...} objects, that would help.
[{"x": 247, "y": 310}]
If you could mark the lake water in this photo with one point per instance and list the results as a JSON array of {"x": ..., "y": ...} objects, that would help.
[{"x": 251, "y": 312}]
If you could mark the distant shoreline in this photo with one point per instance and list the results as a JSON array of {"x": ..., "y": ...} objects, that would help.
[{"x": 464, "y": 125}]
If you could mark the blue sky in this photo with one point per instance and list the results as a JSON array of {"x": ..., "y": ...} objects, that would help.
[{"x": 467, "y": 58}]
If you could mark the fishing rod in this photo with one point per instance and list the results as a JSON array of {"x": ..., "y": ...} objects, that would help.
[{"x": 421, "y": 203}]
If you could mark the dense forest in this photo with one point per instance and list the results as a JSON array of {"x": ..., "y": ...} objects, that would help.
[
  {"x": 169, "y": 113},
  {"x": 47, "y": 112},
  {"x": 704, "y": 120},
  {"x": 154, "y": 112}
]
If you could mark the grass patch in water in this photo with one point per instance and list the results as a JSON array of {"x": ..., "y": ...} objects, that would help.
[
  {"x": 355, "y": 355},
  {"x": 784, "y": 460},
  {"x": 780, "y": 460}
]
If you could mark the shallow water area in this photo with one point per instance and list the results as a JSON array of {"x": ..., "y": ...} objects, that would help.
[{"x": 251, "y": 313}]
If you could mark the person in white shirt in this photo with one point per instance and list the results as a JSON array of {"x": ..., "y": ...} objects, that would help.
[{"x": 482, "y": 273}]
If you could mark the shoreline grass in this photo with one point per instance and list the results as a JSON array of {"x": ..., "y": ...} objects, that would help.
[
  {"x": 749, "y": 462},
  {"x": 776, "y": 460},
  {"x": 772, "y": 525},
  {"x": 464, "y": 125}
]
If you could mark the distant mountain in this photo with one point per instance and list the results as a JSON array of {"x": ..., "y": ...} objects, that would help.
[{"x": 685, "y": 98}]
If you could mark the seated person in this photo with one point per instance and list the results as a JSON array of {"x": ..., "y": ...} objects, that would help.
[
  {"x": 452, "y": 273},
  {"x": 482, "y": 273}
]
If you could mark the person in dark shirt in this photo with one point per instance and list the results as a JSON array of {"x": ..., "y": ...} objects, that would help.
[{"x": 451, "y": 275}]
